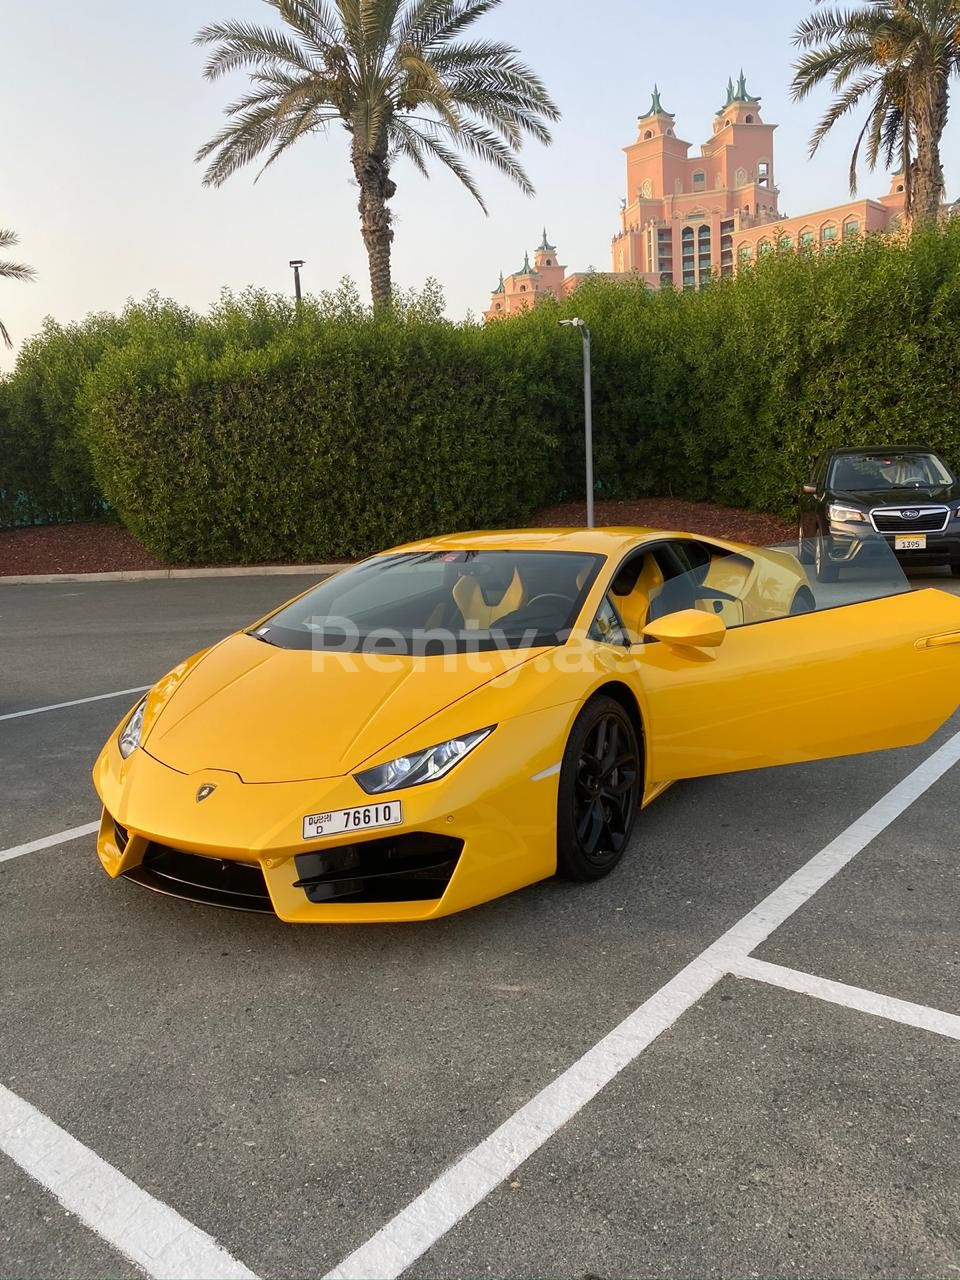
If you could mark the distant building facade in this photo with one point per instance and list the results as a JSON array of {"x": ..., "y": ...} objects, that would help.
[
  {"x": 686, "y": 219},
  {"x": 545, "y": 278}
]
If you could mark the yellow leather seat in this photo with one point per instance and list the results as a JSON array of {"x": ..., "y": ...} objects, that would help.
[
  {"x": 635, "y": 606},
  {"x": 478, "y": 614}
]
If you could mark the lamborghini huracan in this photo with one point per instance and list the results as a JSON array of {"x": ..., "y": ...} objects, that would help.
[{"x": 454, "y": 719}]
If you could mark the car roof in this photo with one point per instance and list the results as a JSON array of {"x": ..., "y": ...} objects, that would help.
[
  {"x": 881, "y": 450},
  {"x": 607, "y": 541}
]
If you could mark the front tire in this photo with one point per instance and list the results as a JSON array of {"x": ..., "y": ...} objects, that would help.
[
  {"x": 826, "y": 572},
  {"x": 601, "y": 782}
]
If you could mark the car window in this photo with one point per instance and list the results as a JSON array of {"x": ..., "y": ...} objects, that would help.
[
  {"x": 752, "y": 587},
  {"x": 607, "y": 627},
  {"x": 874, "y": 472},
  {"x": 443, "y": 601}
]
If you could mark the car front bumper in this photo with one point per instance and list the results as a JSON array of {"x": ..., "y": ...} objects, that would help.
[
  {"x": 486, "y": 829},
  {"x": 848, "y": 543}
]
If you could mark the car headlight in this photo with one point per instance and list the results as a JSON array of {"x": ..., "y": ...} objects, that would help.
[
  {"x": 129, "y": 738},
  {"x": 420, "y": 766},
  {"x": 845, "y": 515}
]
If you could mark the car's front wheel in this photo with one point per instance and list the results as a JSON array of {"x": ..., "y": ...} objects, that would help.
[
  {"x": 826, "y": 570},
  {"x": 601, "y": 781}
]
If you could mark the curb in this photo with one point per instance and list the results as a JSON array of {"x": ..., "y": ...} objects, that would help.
[{"x": 152, "y": 575}]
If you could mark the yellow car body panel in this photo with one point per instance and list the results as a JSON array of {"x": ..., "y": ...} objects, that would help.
[{"x": 273, "y": 734}]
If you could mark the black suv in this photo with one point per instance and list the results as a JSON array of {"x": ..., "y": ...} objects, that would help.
[{"x": 909, "y": 497}]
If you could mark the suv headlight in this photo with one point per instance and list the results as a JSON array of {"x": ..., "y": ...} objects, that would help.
[
  {"x": 420, "y": 766},
  {"x": 836, "y": 511},
  {"x": 129, "y": 738}
]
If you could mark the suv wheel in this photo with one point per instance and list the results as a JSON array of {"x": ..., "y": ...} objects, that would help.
[{"x": 826, "y": 571}]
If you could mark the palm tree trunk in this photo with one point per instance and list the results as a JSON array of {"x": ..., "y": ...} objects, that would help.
[
  {"x": 927, "y": 188},
  {"x": 372, "y": 171}
]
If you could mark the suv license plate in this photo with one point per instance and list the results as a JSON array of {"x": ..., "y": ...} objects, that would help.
[{"x": 916, "y": 543}]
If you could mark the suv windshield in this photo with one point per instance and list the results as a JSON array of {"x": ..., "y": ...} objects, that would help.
[
  {"x": 440, "y": 602},
  {"x": 869, "y": 472}
]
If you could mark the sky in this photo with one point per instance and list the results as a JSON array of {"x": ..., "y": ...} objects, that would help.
[{"x": 104, "y": 106}]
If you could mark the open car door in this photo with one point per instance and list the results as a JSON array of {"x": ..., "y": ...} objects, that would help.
[{"x": 856, "y": 674}]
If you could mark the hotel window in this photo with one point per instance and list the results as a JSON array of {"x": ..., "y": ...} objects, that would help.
[
  {"x": 746, "y": 252},
  {"x": 699, "y": 178},
  {"x": 666, "y": 279},
  {"x": 764, "y": 247},
  {"x": 763, "y": 174},
  {"x": 704, "y": 249},
  {"x": 749, "y": 120},
  {"x": 806, "y": 239},
  {"x": 828, "y": 234},
  {"x": 851, "y": 228},
  {"x": 785, "y": 242}
]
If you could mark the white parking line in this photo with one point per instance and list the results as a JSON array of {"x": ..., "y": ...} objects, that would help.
[
  {"x": 154, "y": 1236},
  {"x": 881, "y": 1006},
  {"x": 77, "y": 702},
  {"x": 465, "y": 1184},
  {"x": 47, "y": 842}
]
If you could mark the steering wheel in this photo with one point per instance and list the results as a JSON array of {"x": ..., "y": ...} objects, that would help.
[{"x": 550, "y": 595}]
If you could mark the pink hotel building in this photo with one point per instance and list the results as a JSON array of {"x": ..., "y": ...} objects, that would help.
[{"x": 686, "y": 219}]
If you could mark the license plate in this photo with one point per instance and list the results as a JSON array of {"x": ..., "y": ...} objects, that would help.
[
  {"x": 365, "y": 818},
  {"x": 918, "y": 542}
]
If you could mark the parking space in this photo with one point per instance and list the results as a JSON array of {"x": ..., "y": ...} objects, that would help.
[{"x": 290, "y": 1091}]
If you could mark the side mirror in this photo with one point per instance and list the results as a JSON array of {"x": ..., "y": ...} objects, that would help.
[
  {"x": 810, "y": 490},
  {"x": 689, "y": 629}
]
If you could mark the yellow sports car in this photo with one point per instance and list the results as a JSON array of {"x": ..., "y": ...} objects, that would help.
[{"x": 454, "y": 719}]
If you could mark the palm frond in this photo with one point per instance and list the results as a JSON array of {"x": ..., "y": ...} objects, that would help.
[
  {"x": 426, "y": 142},
  {"x": 16, "y": 271},
  {"x": 242, "y": 45}
]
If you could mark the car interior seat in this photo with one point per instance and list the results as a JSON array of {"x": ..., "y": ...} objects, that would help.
[
  {"x": 637, "y": 584},
  {"x": 482, "y": 603}
]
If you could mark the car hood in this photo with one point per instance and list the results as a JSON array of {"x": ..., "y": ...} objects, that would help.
[
  {"x": 282, "y": 715},
  {"x": 940, "y": 494}
]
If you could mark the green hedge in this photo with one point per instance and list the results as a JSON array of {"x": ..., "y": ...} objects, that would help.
[
  {"x": 328, "y": 435},
  {"x": 259, "y": 433}
]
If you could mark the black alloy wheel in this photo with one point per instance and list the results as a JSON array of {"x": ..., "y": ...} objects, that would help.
[{"x": 600, "y": 791}]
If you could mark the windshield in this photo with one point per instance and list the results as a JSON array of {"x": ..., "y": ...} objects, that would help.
[
  {"x": 870, "y": 472},
  {"x": 440, "y": 601}
]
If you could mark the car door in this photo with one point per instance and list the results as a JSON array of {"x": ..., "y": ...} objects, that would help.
[{"x": 852, "y": 678}]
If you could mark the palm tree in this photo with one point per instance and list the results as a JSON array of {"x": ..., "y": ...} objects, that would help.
[
  {"x": 898, "y": 56},
  {"x": 399, "y": 78},
  {"x": 11, "y": 271}
]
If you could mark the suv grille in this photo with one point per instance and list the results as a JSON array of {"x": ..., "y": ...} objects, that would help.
[{"x": 919, "y": 519}]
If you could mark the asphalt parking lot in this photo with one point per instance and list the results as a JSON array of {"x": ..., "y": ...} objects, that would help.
[{"x": 196, "y": 1092}]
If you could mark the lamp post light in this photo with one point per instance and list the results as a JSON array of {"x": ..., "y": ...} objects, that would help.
[
  {"x": 577, "y": 323},
  {"x": 297, "y": 263}
]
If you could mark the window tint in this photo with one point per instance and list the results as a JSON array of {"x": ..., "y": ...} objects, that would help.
[
  {"x": 607, "y": 628},
  {"x": 449, "y": 600},
  {"x": 877, "y": 471}
]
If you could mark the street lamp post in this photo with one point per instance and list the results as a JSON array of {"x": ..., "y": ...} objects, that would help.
[
  {"x": 577, "y": 323},
  {"x": 297, "y": 263}
]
